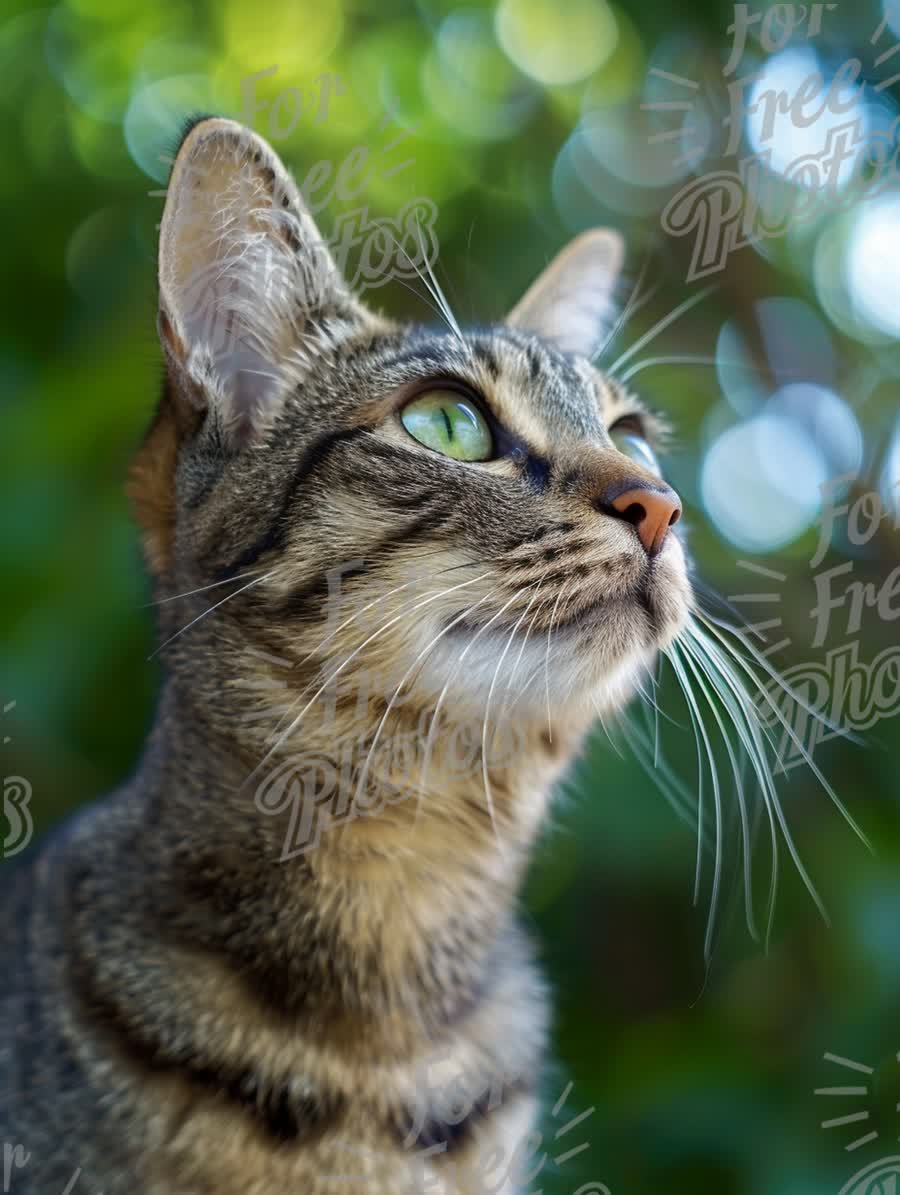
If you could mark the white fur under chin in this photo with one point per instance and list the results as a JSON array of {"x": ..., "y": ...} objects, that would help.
[{"x": 571, "y": 679}]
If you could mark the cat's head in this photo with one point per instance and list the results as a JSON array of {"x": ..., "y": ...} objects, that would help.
[{"x": 458, "y": 513}]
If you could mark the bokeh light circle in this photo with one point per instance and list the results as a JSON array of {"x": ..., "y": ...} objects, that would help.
[
  {"x": 891, "y": 11},
  {"x": 471, "y": 84},
  {"x": 794, "y": 344},
  {"x": 761, "y": 482},
  {"x": 890, "y": 473},
  {"x": 156, "y": 116},
  {"x": 871, "y": 254},
  {"x": 826, "y": 421},
  {"x": 788, "y": 135},
  {"x": 297, "y": 37},
  {"x": 556, "y": 43}
]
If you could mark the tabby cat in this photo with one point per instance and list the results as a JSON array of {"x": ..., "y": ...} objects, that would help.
[{"x": 360, "y": 533}]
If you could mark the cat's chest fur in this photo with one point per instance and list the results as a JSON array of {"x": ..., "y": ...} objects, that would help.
[
  {"x": 217, "y": 1151},
  {"x": 154, "y": 1062}
]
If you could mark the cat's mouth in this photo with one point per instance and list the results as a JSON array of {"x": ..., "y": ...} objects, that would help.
[
  {"x": 598, "y": 612},
  {"x": 653, "y": 607},
  {"x": 643, "y": 596},
  {"x": 585, "y": 617}
]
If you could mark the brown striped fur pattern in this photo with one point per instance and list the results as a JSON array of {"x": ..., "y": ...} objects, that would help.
[{"x": 190, "y": 1008}]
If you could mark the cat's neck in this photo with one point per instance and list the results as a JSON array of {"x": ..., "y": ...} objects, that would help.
[
  {"x": 408, "y": 790},
  {"x": 388, "y": 920}
]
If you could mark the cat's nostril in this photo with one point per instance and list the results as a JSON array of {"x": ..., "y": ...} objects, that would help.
[
  {"x": 634, "y": 514},
  {"x": 650, "y": 510}
]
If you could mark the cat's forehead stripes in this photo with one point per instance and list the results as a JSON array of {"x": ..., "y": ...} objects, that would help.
[{"x": 541, "y": 397}]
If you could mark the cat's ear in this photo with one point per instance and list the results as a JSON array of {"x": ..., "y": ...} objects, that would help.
[
  {"x": 242, "y": 272},
  {"x": 571, "y": 304}
]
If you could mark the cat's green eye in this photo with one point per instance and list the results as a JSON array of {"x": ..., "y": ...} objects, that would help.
[
  {"x": 448, "y": 422},
  {"x": 630, "y": 441}
]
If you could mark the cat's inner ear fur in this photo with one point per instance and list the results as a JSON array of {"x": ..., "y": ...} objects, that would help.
[
  {"x": 242, "y": 269},
  {"x": 572, "y": 303}
]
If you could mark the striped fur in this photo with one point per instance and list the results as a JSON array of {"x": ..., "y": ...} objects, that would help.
[{"x": 191, "y": 1012}]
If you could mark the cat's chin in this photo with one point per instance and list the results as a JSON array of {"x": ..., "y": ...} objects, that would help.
[
  {"x": 609, "y": 662},
  {"x": 648, "y": 616},
  {"x": 596, "y": 660},
  {"x": 593, "y": 655}
]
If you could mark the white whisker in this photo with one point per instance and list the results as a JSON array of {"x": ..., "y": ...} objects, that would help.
[
  {"x": 432, "y": 286},
  {"x": 404, "y": 607},
  {"x": 547, "y": 663},
  {"x": 701, "y": 813},
  {"x": 203, "y": 588},
  {"x": 205, "y": 613},
  {"x": 334, "y": 675},
  {"x": 684, "y": 680},
  {"x": 699, "y": 666},
  {"x": 487, "y": 704},
  {"x": 420, "y": 657},
  {"x": 749, "y": 732},
  {"x": 661, "y": 325},
  {"x": 749, "y": 718},
  {"x": 759, "y": 659},
  {"x": 438, "y": 290},
  {"x": 602, "y": 720},
  {"x": 429, "y": 738},
  {"x": 764, "y": 693},
  {"x": 673, "y": 789},
  {"x": 653, "y": 362},
  {"x": 635, "y": 302},
  {"x": 515, "y": 668}
]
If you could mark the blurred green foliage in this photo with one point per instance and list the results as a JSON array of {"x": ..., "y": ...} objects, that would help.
[{"x": 702, "y": 1079}]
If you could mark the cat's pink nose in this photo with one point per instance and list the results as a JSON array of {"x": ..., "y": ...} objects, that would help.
[{"x": 651, "y": 510}]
